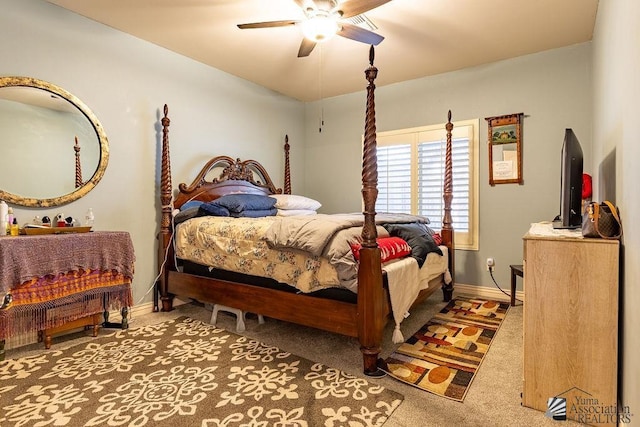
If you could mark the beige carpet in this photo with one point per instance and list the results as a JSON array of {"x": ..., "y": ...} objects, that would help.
[
  {"x": 184, "y": 372},
  {"x": 485, "y": 404}
]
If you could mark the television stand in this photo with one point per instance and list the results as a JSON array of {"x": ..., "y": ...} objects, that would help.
[{"x": 570, "y": 325}]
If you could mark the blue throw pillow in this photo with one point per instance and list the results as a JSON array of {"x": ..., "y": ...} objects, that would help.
[
  {"x": 244, "y": 202},
  {"x": 191, "y": 204},
  {"x": 186, "y": 214},
  {"x": 257, "y": 213},
  {"x": 213, "y": 209}
]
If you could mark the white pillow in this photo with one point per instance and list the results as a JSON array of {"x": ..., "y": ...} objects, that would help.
[
  {"x": 292, "y": 201},
  {"x": 294, "y": 212}
]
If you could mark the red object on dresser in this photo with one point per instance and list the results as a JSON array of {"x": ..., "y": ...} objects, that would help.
[{"x": 587, "y": 187}]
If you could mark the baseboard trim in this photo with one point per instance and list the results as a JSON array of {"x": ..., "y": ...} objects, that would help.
[
  {"x": 485, "y": 291},
  {"x": 141, "y": 309},
  {"x": 136, "y": 310},
  {"x": 114, "y": 316},
  {"x": 458, "y": 289}
]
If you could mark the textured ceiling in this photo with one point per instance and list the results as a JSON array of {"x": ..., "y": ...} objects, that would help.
[{"x": 422, "y": 37}]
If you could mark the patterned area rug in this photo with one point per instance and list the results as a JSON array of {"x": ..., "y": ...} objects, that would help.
[
  {"x": 444, "y": 355},
  {"x": 184, "y": 373}
]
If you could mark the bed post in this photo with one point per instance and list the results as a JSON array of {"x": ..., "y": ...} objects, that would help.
[
  {"x": 165, "y": 218},
  {"x": 76, "y": 148},
  {"x": 287, "y": 168},
  {"x": 447, "y": 222},
  {"x": 370, "y": 292}
]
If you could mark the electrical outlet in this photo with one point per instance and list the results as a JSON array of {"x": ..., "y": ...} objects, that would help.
[{"x": 491, "y": 264}]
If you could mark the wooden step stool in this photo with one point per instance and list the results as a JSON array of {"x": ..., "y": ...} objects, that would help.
[{"x": 94, "y": 320}]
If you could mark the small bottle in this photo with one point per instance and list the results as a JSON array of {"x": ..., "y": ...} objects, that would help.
[
  {"x": 4, "y": 211},
  {"x": 9, "y": 217},
  {"x": 15, "y": 228},
  {"x": 88, "y": 218}
]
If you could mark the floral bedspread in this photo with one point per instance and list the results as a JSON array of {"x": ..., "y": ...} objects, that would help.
[{"x": 236, "y": 244}]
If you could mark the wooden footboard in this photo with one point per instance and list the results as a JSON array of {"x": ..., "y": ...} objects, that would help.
[
  {"x": 329, "y": 315},
  {"x": 333, "y": 316},
  {"x": 365, "y": 319}
]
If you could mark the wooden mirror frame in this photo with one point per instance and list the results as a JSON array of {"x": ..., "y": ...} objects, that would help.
[
  {"x": 504, "y": 130},
  {"x": 85, "y": 187}
]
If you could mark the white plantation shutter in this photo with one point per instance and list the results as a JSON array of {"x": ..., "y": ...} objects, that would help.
[
  {"x": 411, "y": 173},
  {"x": 394, "y": 179},
  {"x": 431, "y": 157}
]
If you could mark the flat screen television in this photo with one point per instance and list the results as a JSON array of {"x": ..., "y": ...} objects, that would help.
[{"x": 570, "y": 183}]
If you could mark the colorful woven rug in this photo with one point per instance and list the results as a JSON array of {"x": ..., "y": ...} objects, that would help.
[
  {"x": 444, "y": 355},
  {"x": 184, "y": 372}
]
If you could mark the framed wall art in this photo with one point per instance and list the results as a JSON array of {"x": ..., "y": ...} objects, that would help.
[{"x": 505, "y": 149}]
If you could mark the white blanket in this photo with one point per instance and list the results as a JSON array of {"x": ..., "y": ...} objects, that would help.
[
  {"x": 405, "y": 281},
  {"x": 404, "y": 286}
]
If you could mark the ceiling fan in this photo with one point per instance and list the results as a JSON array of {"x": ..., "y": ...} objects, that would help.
[{"x": 326, "y": 18}]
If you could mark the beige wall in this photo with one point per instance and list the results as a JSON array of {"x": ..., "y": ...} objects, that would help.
[
  {"x": 616, "y": 70},
  {"x": 552, "y": 89},
  {"x": 126, "y": 82}
]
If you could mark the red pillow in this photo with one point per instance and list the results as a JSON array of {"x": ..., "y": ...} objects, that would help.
[
  {"x": 437, "y": 238},
  {"x": 390, "y": 248}
]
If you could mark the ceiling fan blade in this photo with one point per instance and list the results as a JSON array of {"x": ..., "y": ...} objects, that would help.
[
  {"x": 356, "y": 33},
  {"x": 268, "y": 24},
  {"x": 305, "y": 4},
  {"x": 306, "y": 47},
  {"x": 355, "y": 7}
]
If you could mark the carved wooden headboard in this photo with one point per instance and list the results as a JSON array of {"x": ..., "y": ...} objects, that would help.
[
  {"x": 237, "y": 176},
  {"x": 221, "y": 175}
]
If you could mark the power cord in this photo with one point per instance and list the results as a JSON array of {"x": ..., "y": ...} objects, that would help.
[
  {"x": 153, "y": 283},
  {"x": 161, "y": 269},
  {"x": 498, "y": 286},
  {"x": 166, "y": 253}
]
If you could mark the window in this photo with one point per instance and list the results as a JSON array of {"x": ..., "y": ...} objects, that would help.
[{"x": 411, "y": 175}]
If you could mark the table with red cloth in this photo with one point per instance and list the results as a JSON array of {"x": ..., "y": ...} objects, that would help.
[{"x": 49, "y": 280}]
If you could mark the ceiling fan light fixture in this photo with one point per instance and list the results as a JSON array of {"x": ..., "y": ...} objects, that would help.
[{"x": 319, "y": 28}]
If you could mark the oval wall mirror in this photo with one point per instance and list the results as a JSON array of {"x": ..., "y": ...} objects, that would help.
[{"x": 54, "y": 149}]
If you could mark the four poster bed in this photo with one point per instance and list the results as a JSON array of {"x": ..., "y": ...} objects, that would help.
[{"x": 363, "y": 314}]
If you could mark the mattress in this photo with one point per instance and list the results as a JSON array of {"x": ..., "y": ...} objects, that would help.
[{"x": 237, "y": 245}]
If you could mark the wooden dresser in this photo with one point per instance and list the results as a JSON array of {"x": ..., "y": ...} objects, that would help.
[{"x": 571, "y": 326}]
